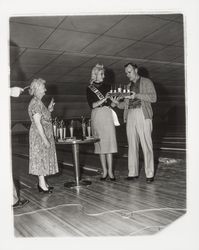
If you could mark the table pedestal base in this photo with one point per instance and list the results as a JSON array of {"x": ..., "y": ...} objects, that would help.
[
  {"x": 73, "y": 184},
  {"x": 75, "y": 149}
]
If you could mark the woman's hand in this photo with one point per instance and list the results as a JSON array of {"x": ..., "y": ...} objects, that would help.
[
  {"x": 51, "y": 105},
  {"x": 115, "y": 100},
  {"x": 100, "y": 102},
  {"x": 107, "y": 96}
]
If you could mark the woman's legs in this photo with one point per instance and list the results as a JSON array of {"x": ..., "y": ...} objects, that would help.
[
  {"x": 109, "y": 158},
  {"x": 42, "y": 182},
  {"x": 103, "y": 163}
]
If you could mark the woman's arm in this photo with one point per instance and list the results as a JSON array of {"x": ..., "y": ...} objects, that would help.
[
  {"x": 37, "y": 120},
  {"x": 114, "y": 101},
  {"x": 100, "y": 102},
  {"x": 92, "y": 99}
]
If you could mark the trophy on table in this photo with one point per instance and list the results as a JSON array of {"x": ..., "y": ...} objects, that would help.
[
  {"x": 71, "y": 128},
  {"x": 55, "y": 128},
  {"x": 89, "y": 128},
  {"x": 62, "y": 130},
  {"x": 83, "y": 128}
]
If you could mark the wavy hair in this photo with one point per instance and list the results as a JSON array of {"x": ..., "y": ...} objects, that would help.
[
  {"x": 98, "y": 67},
  {"x": 35, "y": 84}
]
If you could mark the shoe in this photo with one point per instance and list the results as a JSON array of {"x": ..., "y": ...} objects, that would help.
[
  {"x": 112, "y": 179},
  {"x": 20, "y": 203},
  {"x": 49, "y": 191},
  {"x": 103, "y": 178},
  {"x": 149, "y": 180},
  {"x": 50, "y": 187},
  {"x": 131, "y": 178}
]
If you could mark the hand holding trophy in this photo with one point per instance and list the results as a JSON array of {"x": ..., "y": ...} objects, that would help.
[{"x": 115, "y": 99}]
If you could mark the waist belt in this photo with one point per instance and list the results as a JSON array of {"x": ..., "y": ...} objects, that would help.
[{"x": 134, "y": 104}]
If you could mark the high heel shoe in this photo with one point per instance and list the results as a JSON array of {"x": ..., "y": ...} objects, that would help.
[
  {"x": 48, "y": 191},
  {"x": 104, "y": 178},
  {"x": 112, "y": 178},
  {"x": 50, "y": 187}
]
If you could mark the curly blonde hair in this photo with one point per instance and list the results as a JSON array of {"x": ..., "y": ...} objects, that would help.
[
  {"x": 98, "y": 67},
  {"x": 35, "y": 84}
]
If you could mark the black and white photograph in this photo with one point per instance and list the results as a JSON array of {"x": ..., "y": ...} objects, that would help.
[
  {"x": 73, "y": 167},
  {"x": 98, "y": 124}
]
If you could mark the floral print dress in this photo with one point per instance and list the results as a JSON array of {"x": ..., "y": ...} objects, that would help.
[{"x": 42, "y": 160}]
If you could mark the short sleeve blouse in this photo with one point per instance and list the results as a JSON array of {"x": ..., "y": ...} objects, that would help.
[
  {"x": 36, "y": 106},
  {"x": 92, "y": 97}
]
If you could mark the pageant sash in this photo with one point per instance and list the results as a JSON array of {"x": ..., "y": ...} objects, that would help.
[
  {"x": 97, "y": 92},
  {"x": 101, "y": 96}
]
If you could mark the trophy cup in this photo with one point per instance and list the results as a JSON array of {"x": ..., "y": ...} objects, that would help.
[
  {"x": 64, "y": 131},
  {"x": 83, "y": 128},
  {"x": 55, "y": 127},
  {"x": 120, "y": 92},
  {"x": 71, "y": 128},
  {"x": 61, "y": 130},
  {"x": 89, "y": 129}
]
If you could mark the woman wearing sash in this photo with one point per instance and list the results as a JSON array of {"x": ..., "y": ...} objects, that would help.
[{"x": 102, "y": 120}]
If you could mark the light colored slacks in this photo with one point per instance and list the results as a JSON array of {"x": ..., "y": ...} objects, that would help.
[{"x": 139, "y": 129}]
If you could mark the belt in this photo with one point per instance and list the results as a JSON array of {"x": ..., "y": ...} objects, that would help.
[{"x": 138, "y": 107}]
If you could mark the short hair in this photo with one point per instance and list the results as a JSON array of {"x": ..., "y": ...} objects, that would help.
[
  {"x": 131, "y": 64},
  {"x": 98, "y": 67},
  {"x": 35, "y": 85}
]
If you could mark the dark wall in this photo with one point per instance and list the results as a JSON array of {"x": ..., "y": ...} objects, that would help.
[{"x": 71, "y": 102}]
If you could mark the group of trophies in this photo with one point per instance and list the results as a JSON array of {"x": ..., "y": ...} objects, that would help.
[
  {"x": 59, "y": 129},
  {"x": 120, "y": 91}
]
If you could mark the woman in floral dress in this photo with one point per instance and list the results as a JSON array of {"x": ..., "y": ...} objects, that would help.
[{"x": 42, "y": 153}]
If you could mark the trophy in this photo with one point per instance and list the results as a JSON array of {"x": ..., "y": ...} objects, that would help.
[
  {"x": 71, "y": 128},
  {"x": 62, "y": 130},
  {"x": 120, "y": 91},
  {"x": 89, "y": 128},
  {"x": 83, "y": 128},
  {"x": 55, "y": 127}
]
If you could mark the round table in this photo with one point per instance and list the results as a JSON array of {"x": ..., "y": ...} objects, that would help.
[{"x": 75, "y": 150}]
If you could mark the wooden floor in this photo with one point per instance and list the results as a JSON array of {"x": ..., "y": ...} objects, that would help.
[{"x": 121, "y": 208}]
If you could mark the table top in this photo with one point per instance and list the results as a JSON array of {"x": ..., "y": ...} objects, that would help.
[{"x": 77, "y": 141}]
